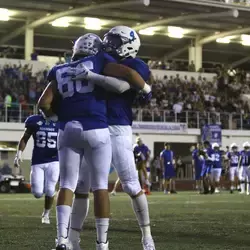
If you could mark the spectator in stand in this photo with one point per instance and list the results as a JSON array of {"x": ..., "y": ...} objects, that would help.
[
  {"x": 34, "y": 56},
  {"x": 191, "y": 67},
  {"x": 7, "y": 104}
]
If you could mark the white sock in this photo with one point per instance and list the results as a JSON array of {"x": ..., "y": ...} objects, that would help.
[
  {"x": 46, "y": 212},
  {"x": 242, "y": 186},
  {"x": 102, "y": 226},
  {"x": 79, "y": 213},
  {"x": 140, "y": 207},
  {"x": 232, "y": 187},
  {"x": 62, "y": 217}
]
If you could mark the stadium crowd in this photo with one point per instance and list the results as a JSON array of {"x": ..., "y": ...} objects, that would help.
[{"x": 173, "y": 97}]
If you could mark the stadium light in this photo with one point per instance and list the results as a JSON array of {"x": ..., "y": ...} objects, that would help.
[
  {"x": 245, "y": 43},
  {"x": 245, "y": 40},
  {"x": 4, "y": 15},
  {"x": 61, "y": 22},
  {"x": 92, "y": 23},
  {"x": 148, "y": 31},
  {"x": 223, "y": 40},
  {"x": 175, "y": 32}
]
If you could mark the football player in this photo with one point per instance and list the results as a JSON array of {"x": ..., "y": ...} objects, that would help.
[
  {"x": 84, "y": 127},
  {"x": 123, "y": 44},
  {"x": 44, "y": 163},
  {"x": 197, "y": 167},
  {"x": 168, "y": 168},
  {"x": 142, "y": 155},
  {"x": 216, "y": 167},
  {"x": 233, "y": 157},
  {"x": 244, "y": 163},
  {"x": 205, "y": 155}
]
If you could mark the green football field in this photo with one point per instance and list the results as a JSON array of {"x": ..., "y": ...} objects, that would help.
[{"x": 183, "y": 221}]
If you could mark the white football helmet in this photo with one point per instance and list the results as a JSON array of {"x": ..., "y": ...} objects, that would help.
[
  {"x": 215, "y": 145},
  {"x": 246, "y": 144},
  {"x": 122, "y": 41},
  {"x": 88, "y": 45},
  {"x": 233, "y": 145}
]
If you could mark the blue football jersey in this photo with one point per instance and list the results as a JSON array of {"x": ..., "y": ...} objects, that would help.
[
  {"x": 82, "y": 100},
  {"x": 217, "y": 159},
  {"x": 141, "y": 149},
  {"x": 208, "y": 151},
  {"x": 245, "y": 157},
  {"x": 234, "y": 158},
  {"x": 44, "y": 134},
  {"x": 120, "y": 105},
  {"x": 168, "y": 157}
]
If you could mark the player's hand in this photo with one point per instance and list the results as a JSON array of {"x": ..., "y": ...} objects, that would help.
[
  {"x": 18, "y": 159},
  {"x": 144, "y": 98},
  {"x": 81, "y": 73}
]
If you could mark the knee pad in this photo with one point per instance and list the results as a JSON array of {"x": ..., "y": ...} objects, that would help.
[
  {"x": 83, "y": 187},
  {"x": 132, "y": 188},
  {"x": 99, "y": 186},
  {"x": 50, "y": 191},
  {"x": 37, "y": 195},
  {"x": 71, "y": 185}
]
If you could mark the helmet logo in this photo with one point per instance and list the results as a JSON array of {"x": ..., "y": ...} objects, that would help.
[{"x": 132, "y": 36}]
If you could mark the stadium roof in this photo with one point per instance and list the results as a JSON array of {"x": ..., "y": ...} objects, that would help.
[{"x": 203, "y": 18}]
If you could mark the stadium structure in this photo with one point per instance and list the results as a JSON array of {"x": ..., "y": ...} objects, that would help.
[{"x": 198, "y": 52}]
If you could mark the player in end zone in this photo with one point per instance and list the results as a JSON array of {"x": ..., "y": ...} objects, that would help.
[{"x": 44, "y": 173}]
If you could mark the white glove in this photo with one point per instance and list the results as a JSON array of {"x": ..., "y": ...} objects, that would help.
[
  {"x": 82, "y": 73},
  {"x": 18, "y": 158}
]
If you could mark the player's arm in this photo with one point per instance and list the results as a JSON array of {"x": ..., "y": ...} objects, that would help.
[
  {"x": 240, "y": 161},
  {"x": 21, "y": 146},
  {"x": 130, "y": 75},
  {"x": 111, "y": 78},
  {"x": 162, "y": 162},
  {"x": 44, "y": 103}
]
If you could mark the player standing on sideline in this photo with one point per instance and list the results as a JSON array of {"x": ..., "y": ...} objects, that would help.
[
  {"x": 244, "y": 163},
  {"x": 123, "y": 43},
  {"x": 216, "y": 168},
  {"x": 197, "y": 167},
  {"x": 233, "y": 161},
  {"x": 168, "y": 169},
  {"x": 44, "y": 163},
  {"x": 205, "y": 154},
  {"x": 142, "y": 154}
]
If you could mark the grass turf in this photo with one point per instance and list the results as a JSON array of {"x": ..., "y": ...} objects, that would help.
[{"x": 182, "y": 221}]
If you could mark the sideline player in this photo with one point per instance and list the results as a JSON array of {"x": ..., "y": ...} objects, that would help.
[
  {"x": 216, "y": 168},
  {"x": 233, "y": 157},
  {"x": 123, "y": 43},
  {"x": 167, "y": 164},
  {"x": 205, "y": 155},
  {"x": 83, "y": 120},
  {"x": 197, "y": 164},
  {"x": 142, "y": 155},
  {"x": 44, "y": 163},
  {"x": 244, "y": 163}
]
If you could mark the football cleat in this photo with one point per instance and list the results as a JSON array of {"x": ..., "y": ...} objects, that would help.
[
  {"x": 148, "y": 244},
  {"x": 45, "y": 219},
  {"x": 113, "y": 193},
  {"x": 64, "y": 244},
  {"x": 102, "y": 246}
]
